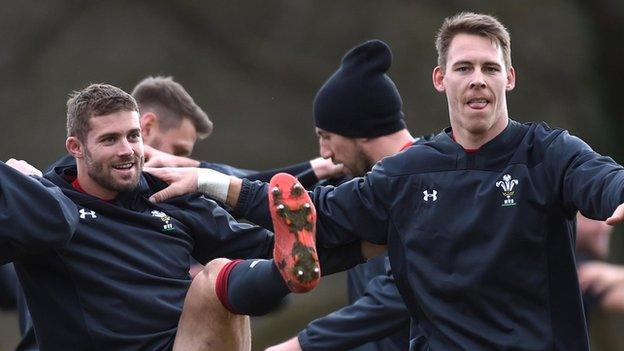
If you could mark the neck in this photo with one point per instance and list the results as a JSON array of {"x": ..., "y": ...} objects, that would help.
[
  {"x": 90, "y": 186},
  {"x": 473, "y": 141},
  {"x": 387, "y": 145}
]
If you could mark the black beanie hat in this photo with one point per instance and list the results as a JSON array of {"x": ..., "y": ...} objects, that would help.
[{"x": 359, "y": 100}]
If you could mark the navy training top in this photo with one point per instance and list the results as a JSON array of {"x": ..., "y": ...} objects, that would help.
[{"x": 481, "y": 244}]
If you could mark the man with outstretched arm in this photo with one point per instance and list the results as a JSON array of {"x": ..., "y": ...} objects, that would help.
[
  {"x": 171, "y": 124},
  {"x": 479, "y": 220},
  {"x": 122, "y": 281}
]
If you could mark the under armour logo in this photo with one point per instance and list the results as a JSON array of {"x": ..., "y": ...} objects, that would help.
[
  {"x": 84, "y": 213},
  {"x": 433, "y": 195},
  {"x": 254, "y": 263}
]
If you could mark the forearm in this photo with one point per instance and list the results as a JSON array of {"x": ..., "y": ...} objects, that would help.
[
  {"x": 380, "y": 313},
  {"x": 234, "y": 191}
]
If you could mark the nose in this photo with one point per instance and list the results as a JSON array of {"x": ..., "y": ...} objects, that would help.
[
  {"x": 125, "y": 148},
  {"x": 325, "y": 151},
  {"x": 477, "y": 81}
]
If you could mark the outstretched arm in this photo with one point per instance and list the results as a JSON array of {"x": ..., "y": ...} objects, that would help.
[
  {"x": 308, "y": 173},
  {"x": 378, "y": 314},
  {"x": 183, "y": 181},
  {"x": 356, "y": 210},
  {"x": 34, "y": 214}
]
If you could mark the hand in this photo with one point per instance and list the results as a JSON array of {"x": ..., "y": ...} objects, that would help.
[
  {"x": 156, "y": 158},
  {"x": 24, "y": 167},
  {"x": 598, "y": 277},
  {"x": 617, "y": 216},
  {"x": 606, "y": 281},
  {"x": 289, "y": 345},
  {"x": 324, "y": 168},
  {"x": 181, "y": 181}
]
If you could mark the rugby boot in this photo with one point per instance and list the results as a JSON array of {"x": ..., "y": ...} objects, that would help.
[{"x": 294, "y": 224}]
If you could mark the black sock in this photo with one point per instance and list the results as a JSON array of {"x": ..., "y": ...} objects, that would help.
[{"x": 254, "y": 287}]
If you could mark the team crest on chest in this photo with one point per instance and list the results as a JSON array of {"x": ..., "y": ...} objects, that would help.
[
  {"x": 167, "y": 226},
  {"x": 507, "y": 185}
]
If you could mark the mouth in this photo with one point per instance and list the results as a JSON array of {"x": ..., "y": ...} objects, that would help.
[
  {"x": 125, "y": 168},
  {"x": 478, "y": 103}
]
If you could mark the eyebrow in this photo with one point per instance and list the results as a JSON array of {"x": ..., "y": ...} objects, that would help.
[
  {"x": 108, "y": 135},
  {"x": 116, "y": 134},
  {"x": 466, "y": 62}
]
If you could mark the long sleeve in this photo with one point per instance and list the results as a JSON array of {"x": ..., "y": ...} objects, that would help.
[
  {"x": 34, "y": 215},
  {"x": 303, "y": 171},
  {"x": 589, "y": 182},
  {"x": 380, "y": 313}
]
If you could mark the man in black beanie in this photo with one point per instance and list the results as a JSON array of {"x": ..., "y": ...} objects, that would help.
[{"x": 359, "y": 120}]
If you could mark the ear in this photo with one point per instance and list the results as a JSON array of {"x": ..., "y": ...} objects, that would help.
[
  {"x": 511, "y": 79},
  {"x": 148, "y": 122},
  {"x": 74, "y": 147},
  {"x": 438, "y": 79}
]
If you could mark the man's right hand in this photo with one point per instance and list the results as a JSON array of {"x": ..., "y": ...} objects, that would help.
[
  {"x": 324, "y": 168},
  {"x": 289, "y": 345},
  {"x": 181, "y": 181},
  {"x": 186, "y": 180}
]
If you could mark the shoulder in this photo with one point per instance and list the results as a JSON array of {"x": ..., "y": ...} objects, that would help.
[
  {"x": 428, "y": 154},
  {"x": 540, "y": 139}
]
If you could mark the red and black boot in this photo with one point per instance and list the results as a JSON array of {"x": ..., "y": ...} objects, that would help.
[{"x": 294, "y": 224}]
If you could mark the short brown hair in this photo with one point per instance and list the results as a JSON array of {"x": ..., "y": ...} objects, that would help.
[
  {"x": 95, "y": 100},
  {"x": 170, "y": 101},
  {"x": 472, "y": 23}
]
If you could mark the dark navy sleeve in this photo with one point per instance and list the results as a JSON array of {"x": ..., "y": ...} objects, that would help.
[
  {"x": 218, "y": 234},
  {"x": 303, "y": 171},
  {"x": 355, "y": 210},
  {"x": 8, "y": 287},
  {"x": 378, "y": 314},
  {"x": 34, "y": 215},
  {"x": 253, "y": 205},
  {"x": 589, "y": 182},
  {"x": 227, "y": 169}
]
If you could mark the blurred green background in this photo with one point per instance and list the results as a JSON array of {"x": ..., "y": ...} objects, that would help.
[{"x": 254, "y": 66}]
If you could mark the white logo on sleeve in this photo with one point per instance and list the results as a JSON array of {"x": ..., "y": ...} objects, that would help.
[
  {"x": 84, "y": 213},
  {"x": 433, "y": 195}
]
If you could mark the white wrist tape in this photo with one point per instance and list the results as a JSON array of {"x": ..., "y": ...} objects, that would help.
[{"x": 213, "y": 184}]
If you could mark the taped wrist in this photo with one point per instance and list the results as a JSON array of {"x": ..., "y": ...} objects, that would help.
[{"x": 213, "y": 184}]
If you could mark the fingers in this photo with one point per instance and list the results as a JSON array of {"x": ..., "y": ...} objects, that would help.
[
  {"x": 147, "y": 150},
  {"x": 23, "y": 167},
  {"x": 599, "y": 277},
  {"x": 181, "y": 181},
  {"x": 164, "y": 194},
  {"x": 168, "y": 174},
  {"x": 617, "y": 216},
  {"x": 153, "y": 162}
]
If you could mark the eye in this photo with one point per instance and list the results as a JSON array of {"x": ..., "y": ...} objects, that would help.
[
  {"x": 462, "y": 69},
  {"x": 134, "y": 136},
  {"x": 108, "y": 140},
  {"x": 491, "y": 69}
]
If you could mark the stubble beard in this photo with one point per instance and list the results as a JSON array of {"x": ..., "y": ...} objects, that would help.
[{"x": 103, "y": 177}]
